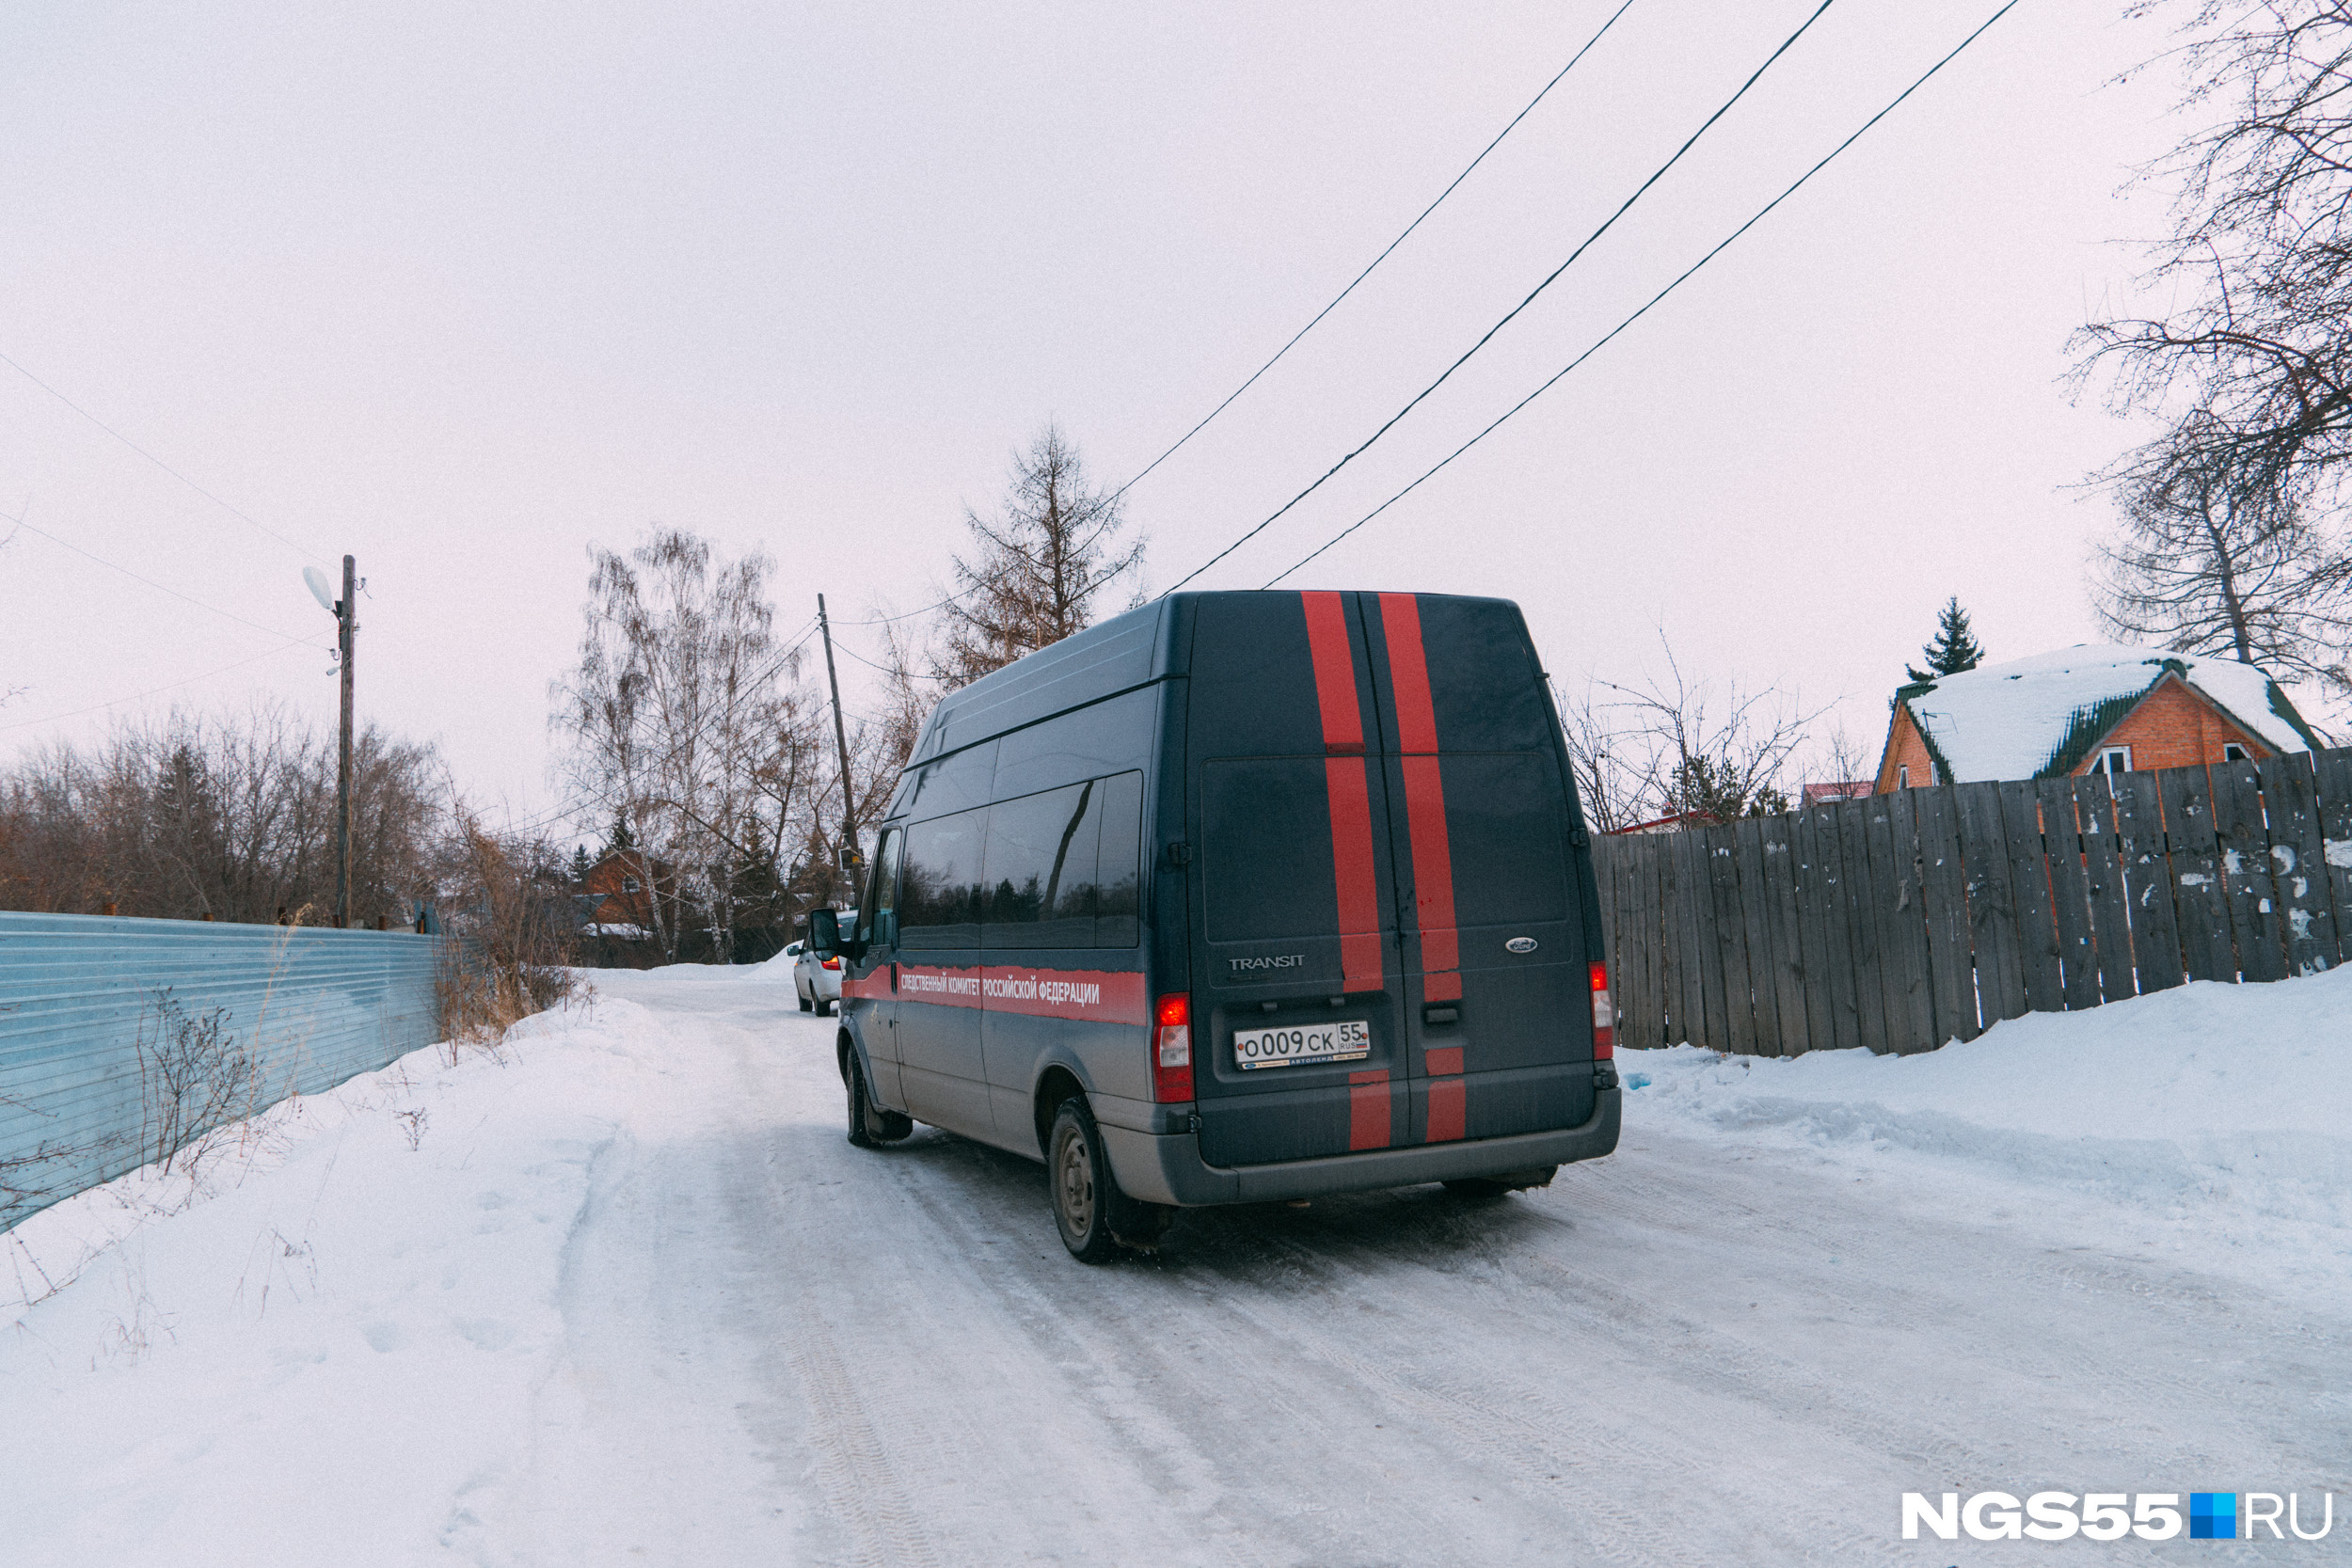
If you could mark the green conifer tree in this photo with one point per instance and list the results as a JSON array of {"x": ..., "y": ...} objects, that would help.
[
  {"x": 581, "y": 865},
  {"x": 620, "y": 837},
  {"x": 1955, "y": 647}
]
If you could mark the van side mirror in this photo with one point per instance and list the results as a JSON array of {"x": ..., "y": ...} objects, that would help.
[{"x": 824, "y": 933}]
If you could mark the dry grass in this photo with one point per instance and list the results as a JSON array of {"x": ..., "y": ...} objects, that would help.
[{"x": 509, "y": 956}]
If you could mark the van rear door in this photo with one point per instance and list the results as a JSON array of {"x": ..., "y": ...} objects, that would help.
[
  {"x": 1496, "y": 1012},
  {"x": 1295, "y": 896}
]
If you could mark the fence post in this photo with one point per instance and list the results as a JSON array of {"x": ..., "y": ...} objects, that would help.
[
  {"x": 2103, "y": 871},
  {"x": 2332, "y": 772},
  {"x": 2148, "y": 890},
  {"x": 2253, "y": 895},
  {"x": 2298, "y": 861},
  {"x": 1943, "y": 886}
]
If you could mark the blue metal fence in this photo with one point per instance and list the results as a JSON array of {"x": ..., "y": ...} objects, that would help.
[{"x": 93, "y": 1008}]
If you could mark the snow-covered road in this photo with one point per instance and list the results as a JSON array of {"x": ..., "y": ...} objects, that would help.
[{"x": 750, "y": 1342}]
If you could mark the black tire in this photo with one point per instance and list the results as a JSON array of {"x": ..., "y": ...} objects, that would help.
[
  {"x": 1094, "y": 1217},
  {"x": 869, "y": 1124},
  {"x": 800, "y": 996},
  {"x": 824, "y": 1008},
  {"x": 1510, "y": 1181}
]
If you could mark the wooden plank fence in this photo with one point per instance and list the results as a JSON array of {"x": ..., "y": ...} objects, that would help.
[{"x": 1906, "y": 920}]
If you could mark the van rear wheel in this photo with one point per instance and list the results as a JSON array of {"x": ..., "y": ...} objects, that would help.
[{"x": 1094, "y": 1217}]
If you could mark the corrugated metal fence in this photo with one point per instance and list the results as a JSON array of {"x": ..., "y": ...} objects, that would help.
[
  {"x": 1906, "y": 920},
  {"x": 119, "y": 1039}
]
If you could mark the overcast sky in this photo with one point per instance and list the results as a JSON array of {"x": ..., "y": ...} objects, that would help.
[{"x": 463, "y": 288}]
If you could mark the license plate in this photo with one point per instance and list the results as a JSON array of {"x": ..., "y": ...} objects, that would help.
[{"x": 1346, "y": 1041}]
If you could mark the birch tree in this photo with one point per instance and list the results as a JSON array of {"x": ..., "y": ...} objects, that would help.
[{"x": 678, "y": 722}]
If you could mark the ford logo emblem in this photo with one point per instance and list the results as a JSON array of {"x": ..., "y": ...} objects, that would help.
[{"x": 1521, "y": 944}]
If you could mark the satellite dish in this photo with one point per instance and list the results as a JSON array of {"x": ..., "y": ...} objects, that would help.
[{"x": 319, "y": 589}]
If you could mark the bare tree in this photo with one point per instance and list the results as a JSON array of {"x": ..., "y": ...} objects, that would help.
[
  {"x": 1037, "y": 565},
  {"x": 1673, "y": 744},
  {"x": 2257, "y": 351},
  {"x": 506, "y": 893},
  {"x": 1844, "y": 759},
  {"x": 229, "y": 818},
  {"x": 2206, "y": 565},
  {"x": 680, "y": 724}
]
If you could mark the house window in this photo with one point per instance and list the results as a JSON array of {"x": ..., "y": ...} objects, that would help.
[
  {"x": 1902, "y": 777},
  {"x": 628, "y": 884},
  {"x": 2115, "y": 759},
  {"x": 2232, "y": 751}
]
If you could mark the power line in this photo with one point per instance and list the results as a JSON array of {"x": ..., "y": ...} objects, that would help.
[
  {"x": 158, "y": 461},
  {"x": 886, "y": 620},
  {"x": 1382, "y": 257},
  {"x": 1654, "y": 300},
  {"x": 150, "y": 581},
  {"x": 1401, "y": 238},
  {"x": 55, "y": 718},
  {"x": 1642, "y": 189},
  {"x": 911, "y": 675}
]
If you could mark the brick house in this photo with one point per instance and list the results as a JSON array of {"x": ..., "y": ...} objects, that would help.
[
  {"x": 612, "y": 895},
  {"x": 2087, "y": 709}
]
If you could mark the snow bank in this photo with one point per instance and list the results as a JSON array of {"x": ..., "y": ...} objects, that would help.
[
  {"x": 2212, "y": 1109},
  {"x": 364, "y": 1315}
]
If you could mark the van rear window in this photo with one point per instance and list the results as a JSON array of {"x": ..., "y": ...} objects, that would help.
[
  {"x": 1505, "y": 816},
  {"x": 1268, "y": 825}
]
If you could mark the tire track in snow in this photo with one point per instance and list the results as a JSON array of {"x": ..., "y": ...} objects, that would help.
[{"x": 851, "y": 1462}]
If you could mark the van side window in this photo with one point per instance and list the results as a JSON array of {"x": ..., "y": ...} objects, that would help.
[
  {"x": 1118, "y": 893},
  {"x": 939, "y": 892},
  {"x": 1039, "y": 870},
  {"x": 878, "y": 923}
]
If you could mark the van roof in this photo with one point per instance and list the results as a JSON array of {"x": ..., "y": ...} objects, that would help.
[
  {"x": 1127, "y": 651},
  {"x": 1121, "y": 653}
]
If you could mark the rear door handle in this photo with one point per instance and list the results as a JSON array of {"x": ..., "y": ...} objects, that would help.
[{"x": 1434, "y": 1013}]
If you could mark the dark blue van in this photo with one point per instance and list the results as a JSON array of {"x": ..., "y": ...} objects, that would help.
[{"x": 1240, "y": 896}]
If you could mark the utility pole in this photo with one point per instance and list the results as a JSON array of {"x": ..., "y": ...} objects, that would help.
[
  {"x": 840, "y": 738},
  {"x": 347, "y": 627}
]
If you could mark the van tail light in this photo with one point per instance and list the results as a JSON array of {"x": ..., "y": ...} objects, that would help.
[
  {"x": 1604, "y": 1016},
  {"x": 1171, "y": 1049},
  {"x": 833, "y": 962}
]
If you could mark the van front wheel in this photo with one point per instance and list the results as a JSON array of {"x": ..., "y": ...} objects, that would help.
[
  {"x": 1090, "y": 1210},
  {"x": 869, "y": 1124}
]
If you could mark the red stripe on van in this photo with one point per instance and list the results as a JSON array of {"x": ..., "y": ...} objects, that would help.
[
  {"x": 1097, "y": 996},
  {"x": 1442, "y": 1060},
  {"x": 1446, "y": 1113},
  {"x": 1368, "y": 1109},
  {"x": 1335, "y": 674},
  {"x": 1408, "y": 668},
  {"x": 1425, "y": 797},
  {"x": 1351, "y": 872}
]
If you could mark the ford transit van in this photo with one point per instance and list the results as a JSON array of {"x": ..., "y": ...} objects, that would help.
[{"x": 1236, "y": 898}]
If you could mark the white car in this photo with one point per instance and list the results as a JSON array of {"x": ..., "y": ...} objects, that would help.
[{"x": 818, "y": 981}]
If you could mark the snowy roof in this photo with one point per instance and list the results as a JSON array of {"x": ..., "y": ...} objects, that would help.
[{"x": 2034, "y": 716}]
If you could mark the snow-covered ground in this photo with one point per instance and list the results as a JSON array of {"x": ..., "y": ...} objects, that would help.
[{"x": 629, "y": 1297}]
